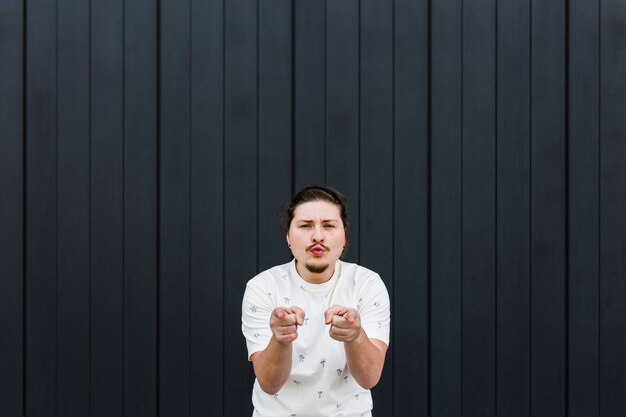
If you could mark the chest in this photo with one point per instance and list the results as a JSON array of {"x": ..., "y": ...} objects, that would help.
[{"x": 314, "y": 351}]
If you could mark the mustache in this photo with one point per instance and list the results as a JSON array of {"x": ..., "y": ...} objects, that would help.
[{"x": 326, "y": 248}]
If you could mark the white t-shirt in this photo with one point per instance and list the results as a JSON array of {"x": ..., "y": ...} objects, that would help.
[{"x": 320, "y": 383}]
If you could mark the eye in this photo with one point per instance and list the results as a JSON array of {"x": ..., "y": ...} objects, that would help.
[
  {"x": 329, "y": 226},
  {"x": 305, "y": 226}
]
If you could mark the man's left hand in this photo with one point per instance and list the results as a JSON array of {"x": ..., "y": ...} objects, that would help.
[{"x": 345, "y": 323}]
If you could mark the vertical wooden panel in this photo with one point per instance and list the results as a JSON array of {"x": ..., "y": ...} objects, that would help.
[
  {"x": 513, "y": 208},
  {"x": 207, "y": 198},
  {"x": 107, "y": 208},
  {"x": 140, "y": 209},
  {"x": 309, "y": 89},
  {"x": 583, "y": 208},
  {"x": 548, "y": 209},
  {"x": 479, "y": 195},
  {"x": 612, "y": 209},
  {"x": 174, "y": 291},
  {"x": 411, "y": 193},
  {"x": 41, "y": 210},
  {"x": 376, "y": 167},
  {"x": 73, "y": 208},
  {"x": 274, "y": 129},
  {"x": 342, "y": 110},
  {"x": 240, "y": 193},
  {"x": 11, "y": 208},
  {"x": 446, "y": 208}
]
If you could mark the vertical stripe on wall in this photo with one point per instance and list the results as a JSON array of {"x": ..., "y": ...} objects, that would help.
[
  {"x": 513, "y": 208},
  {"x": 107, "y": 208},
  {"x": 73, "y": 218},
  {"x": 40, "y": 275},
  {"x": 548, "y": 212},
  {"x": 446, "y": 200},
  {"x": 479, "y": 208},
  {"x": 207, "y": 216},
  {"x": 411, "y": 384},
  {"x": 174, "y": 222},
  {"x": 240, "y": 191},
  {"x": 12, "y": 207},
  {"x": 583, "y": 192},
  {"x": 612, "y": 387},
  {"x": 309, "y": 100},
  {"x": 275, "y": 127},
  {"x": 140, "y": 208}
]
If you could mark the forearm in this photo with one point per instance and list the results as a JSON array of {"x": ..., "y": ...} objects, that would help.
[
  {"x": 365, "y": 360},
  {"x": 272, "y": 366}
]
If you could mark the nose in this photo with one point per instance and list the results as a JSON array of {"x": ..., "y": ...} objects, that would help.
[{"x": 318, "y": 234}]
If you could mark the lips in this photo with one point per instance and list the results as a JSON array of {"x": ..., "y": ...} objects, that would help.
[{"x": 318, "y": 251}]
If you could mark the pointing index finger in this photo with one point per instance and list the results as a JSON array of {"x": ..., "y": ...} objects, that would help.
[
  {"x": 280, "y": 313},
  {"x": 334, "y": 311},
  {"x": 350, "y": 315},
  {"x": 299, "y": 315}
]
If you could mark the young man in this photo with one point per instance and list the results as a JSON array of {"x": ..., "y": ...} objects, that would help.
[{"x": 316, "y": 328}]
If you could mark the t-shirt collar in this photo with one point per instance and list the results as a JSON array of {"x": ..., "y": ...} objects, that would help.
[{"x": 293, "y": 272}]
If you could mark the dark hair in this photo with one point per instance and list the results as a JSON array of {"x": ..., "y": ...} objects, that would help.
[{"x": 315, "y": 193}]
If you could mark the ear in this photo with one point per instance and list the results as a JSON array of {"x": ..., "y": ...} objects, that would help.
[
  {"x": 346, "y": 243},
  {"x": 288, "y": 242}
]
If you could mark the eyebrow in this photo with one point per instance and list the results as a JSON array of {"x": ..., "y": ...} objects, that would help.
[{"x": 323, "y": 221}]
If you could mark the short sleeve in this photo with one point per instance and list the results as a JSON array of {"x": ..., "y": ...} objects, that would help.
[
  {"x": 256, "y": 310},
  {"x": 375, "y": 309}
]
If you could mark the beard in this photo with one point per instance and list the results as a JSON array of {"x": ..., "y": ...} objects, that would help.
[{"x": 316, "y": 269}]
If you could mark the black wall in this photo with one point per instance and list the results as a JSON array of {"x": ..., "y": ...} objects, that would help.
[{"x": 146, "y": 147}]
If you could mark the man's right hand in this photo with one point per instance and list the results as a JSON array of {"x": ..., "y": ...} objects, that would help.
[{"x": 284, "y": 323}]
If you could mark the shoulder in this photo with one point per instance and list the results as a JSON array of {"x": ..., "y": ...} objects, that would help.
[
  {"x": 270, "y": 277},
  {"x": 265, "y": 286},
  {"x": 360, "y": 275}
]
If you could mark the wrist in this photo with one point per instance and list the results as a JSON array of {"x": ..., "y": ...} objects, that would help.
[
  {"x": 358, "y": 338},
  {"x": 285, "y": 344}
]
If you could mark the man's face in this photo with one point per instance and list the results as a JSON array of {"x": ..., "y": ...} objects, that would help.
[{"x": 317, "y": 238}]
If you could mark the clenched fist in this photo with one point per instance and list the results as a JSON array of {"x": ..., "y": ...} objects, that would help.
[
  {"x": 345, "y": 323},
  {"x": 284, "y": 323}
]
